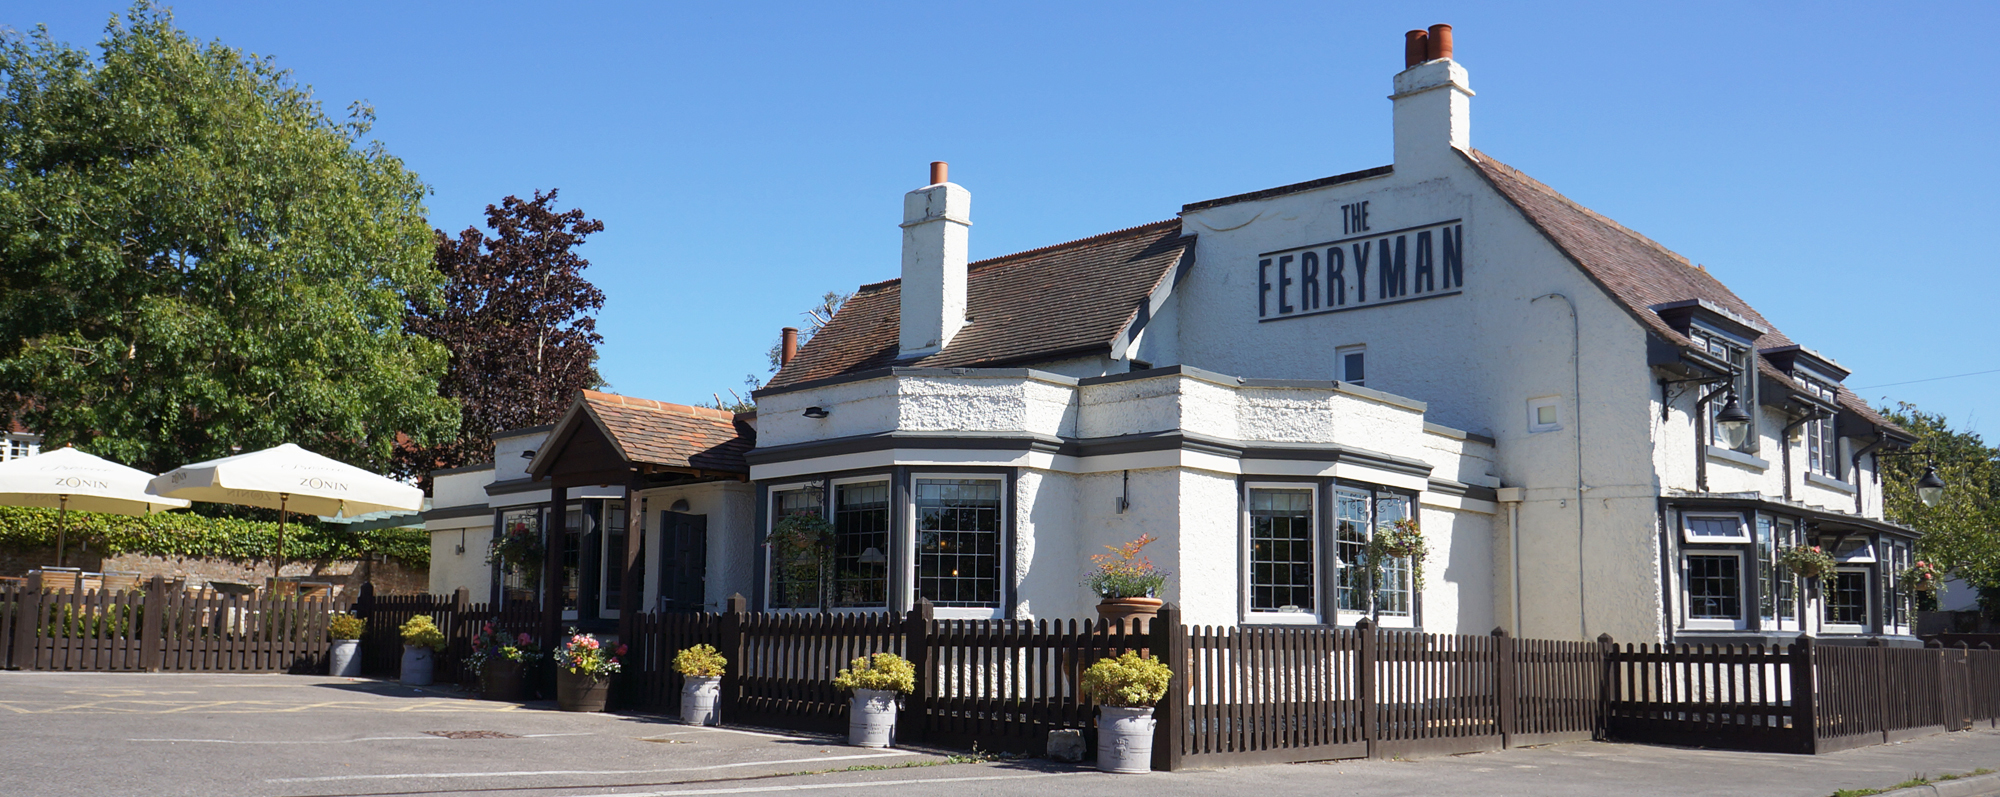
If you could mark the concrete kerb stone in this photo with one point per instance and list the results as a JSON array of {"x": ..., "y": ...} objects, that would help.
[{"x": 1987, "y": 785}]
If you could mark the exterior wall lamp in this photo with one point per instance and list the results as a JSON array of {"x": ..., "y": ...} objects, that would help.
[
  {"x": 1733, "y": 422},
  {"x": 817, "y": 412},
  {"x": 1930, "y": 488}
]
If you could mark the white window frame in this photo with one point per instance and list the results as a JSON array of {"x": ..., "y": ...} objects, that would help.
[
  {"x": 891, "y": 601},
  {"x": 1868, "y": 611},
  {"x": 1340, "y": 364},
  {"x": 771, "y": 522},
  {"x": 1743, "y": 597},
  {"x": 1535, "y": 406},
  {"x": 1688, "y": 536},
  {"x": 1310, "y": 616},
  {"x": 1863, "y": 555},
  {"x": 606, "y": 556},
  {"x": 1005, "y": 546}
]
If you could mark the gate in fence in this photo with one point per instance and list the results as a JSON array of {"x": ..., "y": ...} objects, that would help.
[{"x": 157, "y": 629}]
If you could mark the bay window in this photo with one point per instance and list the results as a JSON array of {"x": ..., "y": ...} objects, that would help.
[
  {"x": 958, "y": 541},
  {"x": 942, "y": 543},
  {"x": 1282, "y": 532},
  {"x": 1712, "y": 589}
]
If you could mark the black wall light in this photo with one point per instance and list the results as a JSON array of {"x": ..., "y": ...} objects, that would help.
[
  {"x": 817, "y": 412},
  {"x": 1733, "y": 422}
]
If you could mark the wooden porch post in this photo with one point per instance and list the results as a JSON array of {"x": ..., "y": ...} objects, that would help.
[
  {"x": 632, "y": 585},
  {"x": 555, "y": 534}
]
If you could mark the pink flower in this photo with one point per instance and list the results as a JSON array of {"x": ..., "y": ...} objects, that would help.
[
  {"x": 523, "y": 640},
  {"x": 621, "y": 650},
  {"x": 591, "y": 643}
]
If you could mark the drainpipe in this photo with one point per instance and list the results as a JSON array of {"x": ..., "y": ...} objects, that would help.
[
  {"x": 1854, "y": 471},
  {"x": 1576, "y": 394},
  {"x": 1701, "y": 434},
  {"x": 1785, "y": 444}
]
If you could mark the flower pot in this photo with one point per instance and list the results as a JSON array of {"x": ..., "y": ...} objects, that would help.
[
  {"x": 500, "y": 679},
  {"x": 701, "y": 698},
  {"x": 417, "y": 664},
  {"x": 579, "y": 692},
  {"x": 871, "y": 718},
  {"x": 1122, "y": 611},
  {"x": 1125, "y": 740},
  {"x": 344, "y": 659}
]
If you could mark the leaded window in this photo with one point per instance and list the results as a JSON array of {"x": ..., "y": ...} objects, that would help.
[
  {"x": 1847, "y": 597},
  {"x": 1393, "y": 589},
  {"x": 1822, "y": 444},
  {"x": 795, "y": 570},
  {"x": 1767, "y": 599},
  {"x": 1714, "y": 587},
  {"x": 1743, "y": 361},
  {"x": 1281, "y": 550},
  {"x": 958, "y": 541},
  {"x": 861, "y": 545},
  {"x": 1351, "y": 511}
]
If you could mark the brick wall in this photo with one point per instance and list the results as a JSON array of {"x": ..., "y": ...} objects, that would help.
[{"x": 391, "y": 577}]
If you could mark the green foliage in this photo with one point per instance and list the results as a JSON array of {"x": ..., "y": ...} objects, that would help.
[
  {"x": 1123, "y": 573},
  {"x": 802, "y": 554},
  {"x": 185, "y": 535},
  {"x": 518, "y": 549},
  {"x": 1806, "y": 561},
  {"x": 72, "y": 621},
  {"x": 1403, "y": 539},
  {"x": 345, "y": 626},
  {"x": 1962, "y": 533},
  {"x": 422, "y": 632},
  {"x": 584, "y": 654},
  {"x": 700, "y": 660},
  {"x": 194, "y": 255},
  {"x": 1131, "y": 680},
  {"x": 884, "y": 671}
]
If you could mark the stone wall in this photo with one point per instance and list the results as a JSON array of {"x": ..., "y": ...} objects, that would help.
[{"x": 391, "y": 577}]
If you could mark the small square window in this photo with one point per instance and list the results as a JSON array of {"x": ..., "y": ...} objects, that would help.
[
  {"x": 1545, "y": 414},
  {"x": 1352, "y": 362}
]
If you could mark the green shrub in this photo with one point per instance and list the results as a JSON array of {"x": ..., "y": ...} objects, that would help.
[
  {"x": 700, "y": 661},
  {"x": 64, "y": 620},
  {"x": 345, "y": 626},
  {"x": 187, "y": 535},
  {"x": 1131, "y": 680},
  {"x": 885, "y": 671},
  {"x": 422, "y": 632}
]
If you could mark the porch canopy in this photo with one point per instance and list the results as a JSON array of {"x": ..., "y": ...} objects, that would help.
[{"x": 612, "y": 440}]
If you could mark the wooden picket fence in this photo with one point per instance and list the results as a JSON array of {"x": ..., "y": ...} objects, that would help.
[
  {"x": 157, "y": 629},
  {"x": 455, "y": 615}
]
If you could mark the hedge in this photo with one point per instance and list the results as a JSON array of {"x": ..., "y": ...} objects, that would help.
[{"x": 180, "y": 534}]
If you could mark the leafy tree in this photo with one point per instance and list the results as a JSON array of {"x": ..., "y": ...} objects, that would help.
[
  {"x": 194, "y": 256},
  {"x": 1961, "y": 533},
  {"x": 817, "y": 317},
  {"x": 516, "y": 315}
]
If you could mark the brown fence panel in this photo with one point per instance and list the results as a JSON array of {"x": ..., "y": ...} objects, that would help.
[
  {"x": 1435, "y": 694},
  {"x": 1272, "y": 694},
  {"x": 784, "y": 665},
  {"x": 1739, "y": 697},
  {"x": 1982, "y": 687},
  {"x": 1004, "y": 684},
  {"x": 1558, "y": 691},
  {"x": 10, "y": 609},
  {"x": 649, "y": 661}
]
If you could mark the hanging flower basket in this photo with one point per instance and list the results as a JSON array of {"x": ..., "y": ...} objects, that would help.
[
  {"x": 1399, "y": 540},
  {"x": 1919, "y": 577},
  {"x": 1806, "y": 561},
  {"x": 518, "y": 550}
]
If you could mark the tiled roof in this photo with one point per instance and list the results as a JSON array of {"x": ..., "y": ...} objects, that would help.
[
  {"x": 1635, "y": 270},
  {"x": 1057, "y": 301},
  {"x": 657, "y": 433}
]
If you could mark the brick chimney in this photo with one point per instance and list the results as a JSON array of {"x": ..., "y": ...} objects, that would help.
[
  {"x": 1433, "y": 102},
  {"x": 936, "y": 219}
]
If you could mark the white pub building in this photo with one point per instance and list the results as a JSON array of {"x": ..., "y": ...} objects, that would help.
[{"x": 1594, "y": 434}]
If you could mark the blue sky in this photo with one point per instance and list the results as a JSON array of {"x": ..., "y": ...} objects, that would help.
[{"x": 1833, "y": 163}]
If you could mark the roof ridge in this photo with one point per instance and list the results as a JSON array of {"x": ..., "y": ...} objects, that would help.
[
  {"x": 658, "y": 406},
  {"x": 991, "y": 261}
]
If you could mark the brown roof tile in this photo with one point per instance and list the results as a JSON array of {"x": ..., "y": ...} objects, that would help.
[
  {"x": 1055, "y": 301},
  {"x": 675, "y": 435},
  {"x": 1636, "y": 271}
]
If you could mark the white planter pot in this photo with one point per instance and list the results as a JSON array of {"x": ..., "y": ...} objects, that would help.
[
  {"x": 417, "y": 664},
  {"x": 1125, "y": 740},
  {"x": 344, "y": 659},
  {"x": 701, "y": 698},
  {"x": 871, "y": 718}
]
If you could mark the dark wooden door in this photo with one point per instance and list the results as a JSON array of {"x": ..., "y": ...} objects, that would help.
[{"x": 683, "y": 562}]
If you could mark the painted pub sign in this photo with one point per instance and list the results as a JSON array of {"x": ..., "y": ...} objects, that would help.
[{"x": 1362, "y": 269}]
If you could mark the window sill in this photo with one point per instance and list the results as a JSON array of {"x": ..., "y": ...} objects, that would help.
[
  {"x": 1282, "y": 618},
  {"x": 1832, "y": 484},
  {"x": 1737, "y": 458}
]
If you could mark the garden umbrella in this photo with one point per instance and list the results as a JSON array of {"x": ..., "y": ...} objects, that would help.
[
  {"x": 289, "y": 479},
  {"x": 70, "y": 479}
]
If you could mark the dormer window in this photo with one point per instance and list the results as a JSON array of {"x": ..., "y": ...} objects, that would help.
[
  {"x": 1742, "y": 362},
  {"x": 1822, "y": 443}
]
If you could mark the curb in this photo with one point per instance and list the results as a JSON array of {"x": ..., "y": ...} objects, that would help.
[{"x": 1987, "y": 785}]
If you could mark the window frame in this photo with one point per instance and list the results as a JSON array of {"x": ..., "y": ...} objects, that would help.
[
  {"x": 609, "y": 556},
  {"x": 1003, "y": 546},
  {"x": 771, "y": 523},
  {"x": 1688, "y": 537},
  {"x": 1340, "y": 364},
  {"x": 1821, "y": 435},
  {"x": 1743, "y": 596},
  {"x": 1724, "y": 345},
  {"x": 1535, "y": 405},
  {"x": 832, "y": 510},
  {"x": 1868, "y": 596},
  {"x": 1318, "y": 581}
]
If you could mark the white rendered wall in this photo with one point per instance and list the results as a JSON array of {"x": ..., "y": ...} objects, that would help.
[
  {"x": 451, "y": 568},
  {"x": 733, "y": 537}
]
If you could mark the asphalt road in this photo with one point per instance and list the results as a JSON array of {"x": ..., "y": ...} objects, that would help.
[{"x": 264, "y": 735}]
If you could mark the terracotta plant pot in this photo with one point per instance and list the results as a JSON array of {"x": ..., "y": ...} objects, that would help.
[
  {"x": 1123, "y": 611},
  {"x": 500, "y": 679},
  {"x": 579, "y": 692}
]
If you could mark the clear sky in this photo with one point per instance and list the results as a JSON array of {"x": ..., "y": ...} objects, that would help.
[{"x": 1833, "y": 163}]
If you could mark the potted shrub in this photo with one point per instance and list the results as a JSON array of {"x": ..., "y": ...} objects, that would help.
[
  {"x": 421, "y": 641},
  {"x": 344, "y": 659},
  {"x": 1125, "y": 690},
  {"x": 501, "y": 660},
  {"x": 878, "y": 682},
  {"x": 1807, "y": 562},
  {"x": 701, "y": 666},
  {"x": 583, "y": 672},
  {"x": 1126, "y": 583}
]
